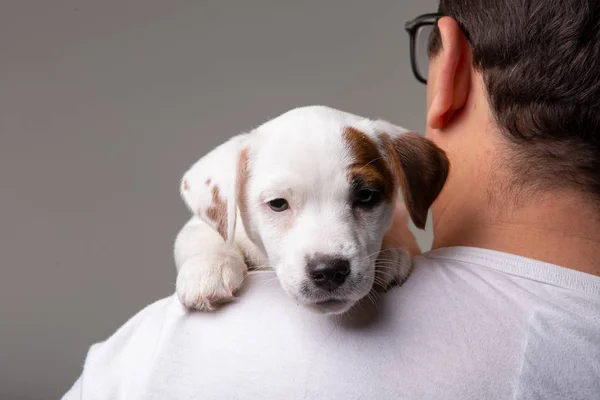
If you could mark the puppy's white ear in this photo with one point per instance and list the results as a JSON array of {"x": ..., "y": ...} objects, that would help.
[
  {"x": 210, "y": 187},
  {"x": 421, "y": 168}
]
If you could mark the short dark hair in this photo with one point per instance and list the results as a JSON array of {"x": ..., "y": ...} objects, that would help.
[{"x": 540, "y": 61}]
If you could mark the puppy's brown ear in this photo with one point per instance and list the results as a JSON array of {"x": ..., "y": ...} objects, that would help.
[
  {"x": 211, "y": 186},
  {"x": 421, "y": 169}
]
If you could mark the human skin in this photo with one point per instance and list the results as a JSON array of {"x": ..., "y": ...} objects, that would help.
[{"x": 475, "y": 208}]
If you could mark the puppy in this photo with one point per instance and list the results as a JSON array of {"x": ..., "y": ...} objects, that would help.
[{"x": 312, "y": 194}]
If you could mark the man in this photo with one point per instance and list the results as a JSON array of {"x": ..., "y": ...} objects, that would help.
[{"x": 505, "y": 306}]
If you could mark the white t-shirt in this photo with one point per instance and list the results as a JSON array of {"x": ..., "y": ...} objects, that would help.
[{"x": 468, "y": 324}]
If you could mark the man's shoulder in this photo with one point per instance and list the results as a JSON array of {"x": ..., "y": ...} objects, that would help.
[{"x": 457, "y": 317}]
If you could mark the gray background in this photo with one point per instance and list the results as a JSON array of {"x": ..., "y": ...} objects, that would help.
[{"x": 103, "y": 104}]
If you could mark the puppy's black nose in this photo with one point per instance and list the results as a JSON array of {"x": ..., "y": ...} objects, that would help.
[{"x": 328, "y": 272}]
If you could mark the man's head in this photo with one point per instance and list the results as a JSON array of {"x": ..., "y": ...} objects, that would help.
[{"x": 514, "y": 97}]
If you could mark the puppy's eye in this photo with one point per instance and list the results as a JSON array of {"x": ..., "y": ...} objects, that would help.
[
  {"x": 367, "y": 198},
  {"x": 278, "y": 205}
]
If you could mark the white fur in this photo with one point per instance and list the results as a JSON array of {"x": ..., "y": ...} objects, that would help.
[{"x": 300, "y": 156}]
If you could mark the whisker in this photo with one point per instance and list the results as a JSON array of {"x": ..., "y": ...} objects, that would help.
[
  {"x": 388, "y": 275},
  {"x": 387, "y": 261},
  {"x": 379, "y": 280},
  {"x": 387, "y": 265},
  {"x": 370, "y": 162}
]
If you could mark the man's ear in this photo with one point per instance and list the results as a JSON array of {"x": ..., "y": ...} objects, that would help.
[
  {"x": 210, "y": 187},
  {"x": 420, "y": 167},
  {"x": 452, "y": 80}
]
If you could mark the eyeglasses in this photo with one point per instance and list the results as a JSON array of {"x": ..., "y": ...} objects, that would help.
[{"x": 419, "y": 30}]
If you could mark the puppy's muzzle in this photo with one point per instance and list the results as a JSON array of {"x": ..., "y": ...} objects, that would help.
[{"x": 328, "y": 272}]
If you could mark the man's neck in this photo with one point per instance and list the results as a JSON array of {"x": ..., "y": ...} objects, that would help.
[{"x": 558, "y": 229}]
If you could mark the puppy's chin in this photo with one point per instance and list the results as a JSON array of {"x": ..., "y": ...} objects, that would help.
[{"x": 331, "y": 307}]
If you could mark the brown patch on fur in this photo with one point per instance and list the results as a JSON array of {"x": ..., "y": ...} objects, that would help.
[
  {"x": 369, "y": 167},
  {"x": 241, "y": 181},
  {"x": 243, "y": 174},
  {"x": 185, "y": 185},
  {"x": 421, "y": 168},
  {"x": 217, "y": 212},
  {"x": 207, "y": 182}
]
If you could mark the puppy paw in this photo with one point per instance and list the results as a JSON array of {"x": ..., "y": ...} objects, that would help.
[
  {"x": 392, "y": 268},
  {"x": 207, "y": 281}
]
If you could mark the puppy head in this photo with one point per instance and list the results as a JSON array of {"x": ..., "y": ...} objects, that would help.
[{"x": 315, "y": 189}]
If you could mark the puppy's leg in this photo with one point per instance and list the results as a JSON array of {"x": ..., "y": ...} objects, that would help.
[
  {"x": 209, "y": 271},
  {"x": 394, "y": 262},
  {"x": 392, "y": 267}
]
